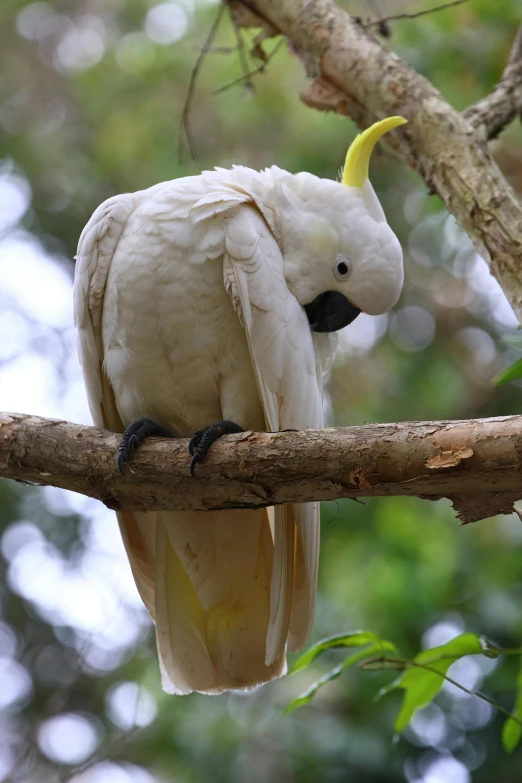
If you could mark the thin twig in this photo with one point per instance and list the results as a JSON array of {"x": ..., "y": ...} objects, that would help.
[
  {"x": 184, "y": 129},
  {"x": 251, "y": 73},
  {"x": 242, "y": 55},
  {"x": 384, "y": 20},
  {"x": 479, "y": 695},
  {"x": 217, "y": 49}
]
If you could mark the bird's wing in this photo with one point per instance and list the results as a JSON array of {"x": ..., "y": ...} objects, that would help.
[
  {"x": 289, "y": 378},
  {"x": 96, "y": 248}
]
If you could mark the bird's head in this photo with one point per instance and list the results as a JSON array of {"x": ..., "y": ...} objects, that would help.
[{"x": 340, "y": 256}]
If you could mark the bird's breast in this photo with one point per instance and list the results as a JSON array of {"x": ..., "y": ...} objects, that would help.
[{"x": 174, "y": 349}]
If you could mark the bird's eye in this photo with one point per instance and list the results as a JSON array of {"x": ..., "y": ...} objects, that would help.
[{"x": 342, "y": 267}]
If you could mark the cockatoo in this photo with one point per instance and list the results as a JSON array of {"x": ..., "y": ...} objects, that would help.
[{"x": 209, "y": 304}]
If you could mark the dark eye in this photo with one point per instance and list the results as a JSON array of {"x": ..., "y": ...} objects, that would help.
[{"x": 342, "y": 267}]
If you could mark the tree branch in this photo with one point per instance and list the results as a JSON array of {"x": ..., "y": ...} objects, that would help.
[
  {"x": 490, "y": 115},
  {"x": 477, "y": 464},
  {"x": 356, "y": 75}
]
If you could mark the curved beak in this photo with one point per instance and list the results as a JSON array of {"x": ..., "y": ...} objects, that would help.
[{"x": 330, "y": 312}]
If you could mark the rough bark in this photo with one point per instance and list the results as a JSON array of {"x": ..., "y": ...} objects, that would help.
[
  {"x": 355, "y": 74},
  {"x": 476, "y": 463}
]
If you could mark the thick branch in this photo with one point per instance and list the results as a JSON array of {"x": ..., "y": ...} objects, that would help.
[
  {"x": 490, "y": 115},
  {"x": 356, "y": 75},
  {"x": 477, "y": 464}
]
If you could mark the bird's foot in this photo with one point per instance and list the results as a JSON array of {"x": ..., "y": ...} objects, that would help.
[
  {"x": 201, "y": 441},
  {"x": 134, "y": 436}
]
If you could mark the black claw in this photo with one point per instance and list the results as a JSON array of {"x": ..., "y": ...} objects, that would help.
[
  {"x": 134, "y": 436},
  {"x": 202, "y": 440},
  {"x": 195, "y": 441},
  {"x": 193, "y": 463},
  {"x": 121, "y": 463}
]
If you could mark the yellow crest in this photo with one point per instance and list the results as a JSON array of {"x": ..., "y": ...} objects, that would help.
[{"x": 355, "y": 170}]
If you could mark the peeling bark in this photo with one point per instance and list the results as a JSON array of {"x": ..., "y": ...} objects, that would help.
[{"x": 475, "y": 463}]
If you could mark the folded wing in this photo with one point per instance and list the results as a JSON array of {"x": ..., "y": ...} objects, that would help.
[{"x": 289, "y": 377}]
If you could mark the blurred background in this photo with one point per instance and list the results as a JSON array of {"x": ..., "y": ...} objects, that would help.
[{"x": 91, "y": 95}]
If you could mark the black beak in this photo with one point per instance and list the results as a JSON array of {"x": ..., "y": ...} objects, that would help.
[{"x": 330, "y": 311}]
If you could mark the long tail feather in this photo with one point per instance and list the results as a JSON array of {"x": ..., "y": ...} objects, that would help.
[
  {"x": 140, "y": 553},
  {"x": 213, "y": 572},
  {"x": 306, "y": 516},
  {"x": 282, "y": 585}
]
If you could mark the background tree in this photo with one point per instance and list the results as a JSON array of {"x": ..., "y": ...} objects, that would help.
[{"x": 90, "y": 102}]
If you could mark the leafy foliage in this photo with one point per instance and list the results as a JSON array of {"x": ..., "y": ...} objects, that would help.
[
  {"x": 370, "y": 643},
  {"x": 421, "y": 678},
  {"x": 356, "y": 639}
]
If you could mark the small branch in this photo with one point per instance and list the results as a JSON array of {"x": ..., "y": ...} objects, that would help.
[
  {"x": 245, "y": 78},
  {"x": 184, "y": 129},
  {"x": 491, "y": 114},
  {"x": 386, "y": 19},
  {"x": 217, "y": 49},
  {"x": 242, "y": 55},
  {"x": 476, "y": 463}
]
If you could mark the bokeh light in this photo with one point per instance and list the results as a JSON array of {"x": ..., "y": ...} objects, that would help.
[
  {"x": 166, "y": 23},
  {"x": 69, "y": 738}
]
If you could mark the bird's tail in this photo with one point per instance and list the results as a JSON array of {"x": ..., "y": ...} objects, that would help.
[{"x": 212, "y": 577}]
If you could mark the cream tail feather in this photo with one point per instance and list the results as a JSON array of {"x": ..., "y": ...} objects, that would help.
[{"x": 211, "y": 631}]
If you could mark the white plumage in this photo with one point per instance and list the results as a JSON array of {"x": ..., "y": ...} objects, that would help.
[{"x": 189, "y": 305}]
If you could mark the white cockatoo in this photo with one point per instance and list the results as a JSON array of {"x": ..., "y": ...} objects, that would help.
[{"x": 208, "y": 304}]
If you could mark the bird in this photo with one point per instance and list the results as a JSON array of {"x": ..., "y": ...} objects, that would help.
[{"x": 209, "y": 305}]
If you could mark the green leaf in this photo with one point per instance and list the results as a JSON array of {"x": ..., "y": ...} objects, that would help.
[
  {"x": 422, "y": 684},
  {"x": 511, "y": 373},
  {"x": 369, "y": 652},
  {"x": 511, "y": 730},
  {"x": 465, "y": 644},
  {"x": 310, "y": 692},
  {"x": 355, "y": 639}
]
